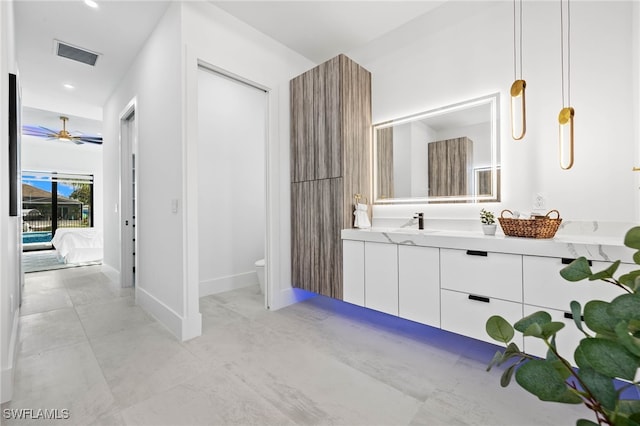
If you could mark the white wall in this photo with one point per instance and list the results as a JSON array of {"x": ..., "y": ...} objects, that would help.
[
  {"x": 163, "y": 80},
  {"x": 155, "y": 80},
  {"x": 66, "y": 157},
  {"x": 231, "y": 177},
  {"x": 10, "y": 242},
  {"x": 219, "y": 40},
  {"x": 464, "y": 50}
]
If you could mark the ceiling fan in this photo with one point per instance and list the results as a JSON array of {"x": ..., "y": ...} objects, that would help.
[{"x": 62, "y": 135}]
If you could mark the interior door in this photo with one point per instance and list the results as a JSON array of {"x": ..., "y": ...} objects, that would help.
[{"x": 128, "y": 192}]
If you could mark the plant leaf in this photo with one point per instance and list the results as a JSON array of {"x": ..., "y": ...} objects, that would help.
[
  {"x": 600, "y": 386},
  {"x": 607, "y": 273},
  {"x": 598, "y": 318},
  {"x": 630, "y": 280},
  {"x": 550, "y": 329},
  {"x": 577, "y": 270},
  {"x": 539, "y": 317},
  {"x": 629, "y": 406},
  {"x": 636, "y": 257},
  {"x": 631, "y": 343},
  {"x": 632, "y": 238},
  {"x": 541, "y": 379},
  {"x": 610, "y": 358},
  {"x": 505, "y": 379},
  {"x": 585, "y": 422},
  {"x": 578, "y": 356},
  {"x": 499, "y": 329},
  {"x": 625, "y": 307},
  {"x": 496, "y": 360},
  {"x": 534, "y": 330},
  {"x": 576, "y": 311}
]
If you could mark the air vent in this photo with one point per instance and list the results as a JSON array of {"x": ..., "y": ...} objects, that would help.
[{"x": 76, "y": 53}]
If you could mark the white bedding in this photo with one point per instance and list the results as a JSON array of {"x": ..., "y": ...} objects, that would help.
[{"x": 78, "y": 245}]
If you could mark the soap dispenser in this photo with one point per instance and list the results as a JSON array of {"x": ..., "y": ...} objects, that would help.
[{"x": 420, "y": 217}]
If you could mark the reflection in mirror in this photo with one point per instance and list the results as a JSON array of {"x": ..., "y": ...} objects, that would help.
[{"x": 446, "y": 155}]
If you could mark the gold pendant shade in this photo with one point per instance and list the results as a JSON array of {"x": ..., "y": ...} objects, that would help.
[
  {"x": 518, "y": 110},
  {"x": 565, "y": 124}
]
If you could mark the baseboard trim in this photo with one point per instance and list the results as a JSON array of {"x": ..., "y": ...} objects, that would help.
[
  {"x": 161, "y": 312},
  {"x": 231, "y": 282},
  {"x": 289, "y": 296},
  {"x": 7, "y": 375},
  {"x": 112, "y": 273}
]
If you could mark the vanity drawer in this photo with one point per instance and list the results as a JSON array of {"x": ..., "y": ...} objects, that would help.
[
  {"x": 484, "y": 273},
  {"x": 543, "y": 286},
  {"x": 467, "y": 314}
]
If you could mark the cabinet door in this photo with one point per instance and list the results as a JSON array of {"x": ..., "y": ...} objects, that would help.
[
  {"x": 496, "y": 275},
  {"x": 467, "y": 314},
  {"x": 303, "y": 150},
  {"x": 381, "y": 277},
  {"x": 353, "y": 272},
  {"x": 543, "y": 285},
  {"x": 419, "y": 284},
  {"x": 316, "y": 250},
  {"x": 567, "y": 339}
]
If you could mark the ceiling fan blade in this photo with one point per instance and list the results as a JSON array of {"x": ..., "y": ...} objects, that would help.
[
  {"x": 90, "y": 139},
  {"x": 48, "y": 130},
  {"x": 77, "y": 141},
  {"x": 37, "y": 131}
]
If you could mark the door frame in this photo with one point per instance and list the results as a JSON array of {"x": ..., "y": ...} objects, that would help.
[{"x": 127, "y": 146}]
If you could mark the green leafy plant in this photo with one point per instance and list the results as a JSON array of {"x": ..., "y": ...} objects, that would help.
[
  {"x": 609, "y": 351},
  {"x": 487, "y": 217}
]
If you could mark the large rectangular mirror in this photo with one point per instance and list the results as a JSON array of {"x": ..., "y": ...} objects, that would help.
[{"x": 447, "y": 155}]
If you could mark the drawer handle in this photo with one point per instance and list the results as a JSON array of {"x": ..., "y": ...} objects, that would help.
[
  {"x": 569, "y": 315},
  {"x": 566, "y": 261},
  {"x": 479, "y": 298},
  {"x": 477, "y": 253}
]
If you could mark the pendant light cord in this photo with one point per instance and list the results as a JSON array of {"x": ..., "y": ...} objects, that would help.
[
  {"x": 517, "y": 34},
  {"x": 568, "y": 52}
]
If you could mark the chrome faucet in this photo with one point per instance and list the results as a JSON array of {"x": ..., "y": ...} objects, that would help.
[{"x": 420, "y": 217}]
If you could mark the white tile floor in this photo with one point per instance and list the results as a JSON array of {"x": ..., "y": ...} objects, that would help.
[{"x": 86, "y": 347}]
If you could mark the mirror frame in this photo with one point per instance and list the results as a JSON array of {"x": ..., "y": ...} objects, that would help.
[{"x": 493, "y": 100}]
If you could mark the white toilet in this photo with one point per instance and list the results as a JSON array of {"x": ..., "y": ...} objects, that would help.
[{"x": 260, "y": 271}]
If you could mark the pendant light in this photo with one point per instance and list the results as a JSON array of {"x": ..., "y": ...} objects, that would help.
[
  {"x": 518, "y": 105},
  {"x": 565, "y": 118}
]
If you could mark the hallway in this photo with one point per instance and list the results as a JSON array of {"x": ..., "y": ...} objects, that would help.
[{"x": 87, "y": 348}]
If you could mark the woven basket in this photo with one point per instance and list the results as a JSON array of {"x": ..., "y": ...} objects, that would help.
[{"x": 541, "y": 227}]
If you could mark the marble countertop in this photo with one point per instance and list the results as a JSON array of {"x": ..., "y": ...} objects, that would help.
[{"x": 605, "y": 248}]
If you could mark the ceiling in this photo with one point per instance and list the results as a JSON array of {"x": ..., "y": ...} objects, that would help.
[{"x": 117, "y": 30}]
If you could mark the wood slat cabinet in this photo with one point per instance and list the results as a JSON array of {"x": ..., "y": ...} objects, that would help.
[{"x": 330, "y": 143}]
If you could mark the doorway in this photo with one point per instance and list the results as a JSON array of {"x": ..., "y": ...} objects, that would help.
[
  {"x": 128, "y": 195},
  {"x": 232, "y": 138}
]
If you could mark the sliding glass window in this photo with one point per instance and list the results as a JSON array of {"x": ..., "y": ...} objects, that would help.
[{"x": 53, "y": 200}]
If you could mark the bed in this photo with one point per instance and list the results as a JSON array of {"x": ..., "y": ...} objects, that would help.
[{"x": 78, "y": 245}]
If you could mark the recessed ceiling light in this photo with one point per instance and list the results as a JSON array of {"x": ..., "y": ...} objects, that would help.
[
  {"x": 91, "y": 3},
  {"x": 68, "y": 86}
]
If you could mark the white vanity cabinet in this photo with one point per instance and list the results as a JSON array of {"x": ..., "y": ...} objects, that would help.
[
  {"x": 448, "y": 280},
  {"x": 353, "y": 272},
  {"x": 545, "y": 290},
  {"x": 419, "y": 284},
  {"x": 381, "y": 277},
  {"x": 476, "y": 285}
]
